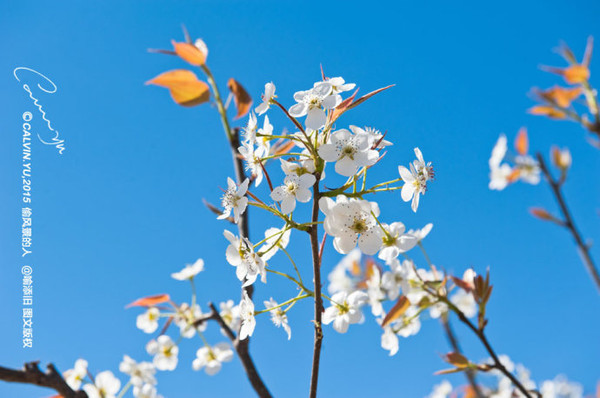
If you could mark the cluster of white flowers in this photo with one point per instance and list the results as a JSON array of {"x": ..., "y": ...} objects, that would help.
[
  {"x": 188, "y": 319},
  {"x": 353, "y": 285},
  {"x": 502, "y": 387},
  {"x": 106, "y": 385}
]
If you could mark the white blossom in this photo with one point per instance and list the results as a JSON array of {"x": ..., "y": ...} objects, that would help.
[
  {"x": 442, "y": 390},
  {"x": 148, "y": 321},
  {"x": 395, "y": 241},
  {"x": 339, "y": 85},
  {"x": 389, "y": 340},
  {"x": 420, "y": 234},
  {"x": 249, "y": 131},
  {"x": 294, "y": 188},
  {"x": 278, "y": 316},
  {"x": 74, "y": 377},
  {"x": 189, "y": 271},
  {"x": 106, "y": 385},
  {"x": 164, "y": 351},
  {"x": 145, "y": 391},
  {"x": 339, "y": 280},
  {"x": 348, "y": 151},
  {"x": 415, "y": 179},
  {"x": 247, "y": 316},
  {"x": 345, "y": 310},
  {"x": 240, "y": 254},
  {"x": 211, "y": 358},
  {"x": 268, "y": 95},
  {"x": 351, "y": 221},
  {"x": 374, "y": 291},
  {"x": 313, "y": 103},
  {"x": 375, "y": 137},
  {"x": 185, "y": 318},
  {"x": 234, "y": 199},
  {"x": 140, "y": 373},
  {"x": 253, "y": 158},
  {"x": 275, "y": 239},
  {"x": 230, "y": 313}
]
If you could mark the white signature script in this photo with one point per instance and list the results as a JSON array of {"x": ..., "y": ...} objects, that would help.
[{"x": 49, "y": 89}]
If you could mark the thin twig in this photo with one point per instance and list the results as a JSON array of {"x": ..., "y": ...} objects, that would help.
[
  {"x": 469, "y": 373},
  {"x": 569, "y": 224},
  {"x": 314, "y": 243},
  {"x": 31, "y": 374},
  {"x": 482, "y": 337}
]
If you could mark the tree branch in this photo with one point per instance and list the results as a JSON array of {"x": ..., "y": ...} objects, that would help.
[
  {"x": 31, "y": 374},
  {"x": 470, "y": 373},
  {"x": 314, "y": 243},
  {"x": 584, "y": 250},
  {"x": 241, "y": 346},
  {"x": 482, "y": 337}
]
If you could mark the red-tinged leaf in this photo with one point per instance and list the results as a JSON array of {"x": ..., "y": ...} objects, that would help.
[
  {"x": 462, "y": 284},
  {"x": 241, "y": 98},
  {"x": 522, "y": 142},
  {"x": 342, "y": 107},
  {"x": 150, "y": 301},
  {"x": 456, "y": 359},
  {"x": 184, "y": 86},
  {"x": 349, "y": 103},
  {"x": 189, "y": 53},
  {"x": 397, "y": 310},
  {"x": 369, "y": 95}
]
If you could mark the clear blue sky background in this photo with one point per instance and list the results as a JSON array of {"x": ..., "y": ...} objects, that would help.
[{"x": 122, "y": 208}]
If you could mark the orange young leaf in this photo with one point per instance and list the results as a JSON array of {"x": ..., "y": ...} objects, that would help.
[
  {"x": 522, "y": 142},
  {"x": 150, "y": 301},
  {"x": 541, "y": 213},
  {"x": 355, "y": 269},
  {"x": 189, "y": 53},
  {"x": 241, "y": 98},
  {"x": 397, "y": 310},
  {"x": 184, "y": 86},
  {"x": 285, "y": 148},
  {"x": 561, "y": 96},
  {"x": 574, "y": 74},
  {"x": 551, "y": 112},
  {"x": 513, "y": 176}
]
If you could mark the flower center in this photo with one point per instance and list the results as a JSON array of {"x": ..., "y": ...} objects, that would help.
[
  {"x": 314, "y": 102},
  {"x": 359, "y": 225},
  {"x": 292, "y": 187}
]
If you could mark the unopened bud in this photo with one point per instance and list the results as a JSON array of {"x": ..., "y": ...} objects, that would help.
[{"x": 561, "y": 158}]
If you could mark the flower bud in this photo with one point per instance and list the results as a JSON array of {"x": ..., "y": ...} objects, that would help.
[{"x": 561, "y": 158}]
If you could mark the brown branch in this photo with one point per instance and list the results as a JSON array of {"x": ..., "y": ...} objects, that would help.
[
  {"x": 496, "y": 361},
  {"x": 31, "y": 374},
  {"x": 314, "y": 243},
  {"x": 569, "y": 224},
  {"x": 233, "y": 136},
  {"x": 469, "y": 373}
]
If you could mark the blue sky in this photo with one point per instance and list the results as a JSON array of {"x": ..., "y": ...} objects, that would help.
[{"x": 122, "y": 207}]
